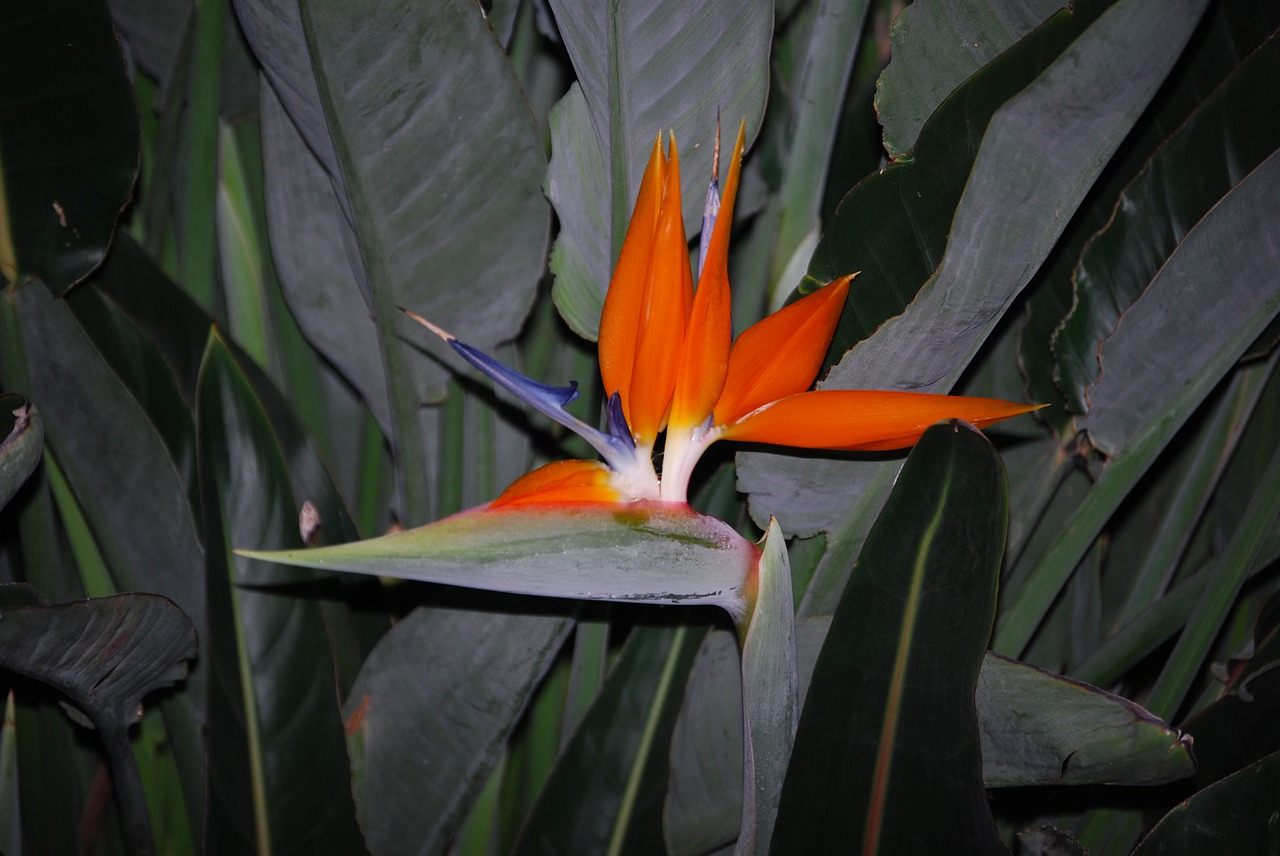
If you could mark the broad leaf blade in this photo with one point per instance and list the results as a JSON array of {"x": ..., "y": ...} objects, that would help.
[
  {"x": 889, "y": 728},
  {"x": 1043, "y": 729},
  {"x": 431, "y": 711}
]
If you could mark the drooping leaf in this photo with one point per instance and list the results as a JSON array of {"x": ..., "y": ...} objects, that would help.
[
  {"x": 431, "y": 711},
  {"x": 105, "y": 655},
  {"x": 640, "y": 552},
  {"x": 1043, "y": 729},
  {"x": 934, "y": 47},
  {"x": 70, "y": 147},
  {"x": 888, "y": 728},
  {"x": 642, "y": 69},
  {"x": 23, "y": 441}
]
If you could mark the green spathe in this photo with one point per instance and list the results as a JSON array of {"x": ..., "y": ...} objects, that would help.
[{"x": 644, "y": 552}]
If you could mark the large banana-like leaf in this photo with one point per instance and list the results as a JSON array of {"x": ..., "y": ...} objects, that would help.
[
  {"x": 416, "y": 117},
  {"x": 643, "y": 69}
]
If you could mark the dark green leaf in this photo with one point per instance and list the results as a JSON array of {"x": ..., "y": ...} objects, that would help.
[
  {"x": 70, "y": 145},
  {"x": 22, "y": 444},
  {"x": 277, "y": 758},
  {"x": 703, "y": 808},
  {"x": 1235, "y": 815},
  {"x": 888, "y": 729},
  {"x": 430, "y": 713}
]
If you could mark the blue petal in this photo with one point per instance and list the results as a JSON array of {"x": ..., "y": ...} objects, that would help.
[
  {"x": 617, "y": 421},
  {"x": 550, "y": 401},
  {"x": 709, "y": 213}
]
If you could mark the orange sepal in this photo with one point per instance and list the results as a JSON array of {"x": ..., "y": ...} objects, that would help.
[
  {"x": 664, "y": 313},
  {"x": 781, "y": 355},
  {"x": 704, "y": 362},
  {"x": 620, "y": 318},
  {"x": 561, "y": 481},
  {"x": 864, "y": 420}
]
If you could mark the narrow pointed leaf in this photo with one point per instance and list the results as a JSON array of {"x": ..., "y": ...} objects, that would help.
[
  {"x": 1043, "y": 729},
  {"x": 642, "y": 552},
  {"x": 413, "y": 788},
  {"x": 889, "y": 728},
  {"x": 770, "y": 695},
  {"x": 22, "y": 444}
]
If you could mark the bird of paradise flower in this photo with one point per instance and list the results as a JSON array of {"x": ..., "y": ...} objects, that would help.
[{"x": 620, "y": 528}]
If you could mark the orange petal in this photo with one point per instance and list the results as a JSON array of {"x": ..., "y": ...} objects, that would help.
[
  {"x": 864, "y": 420},
  {"x": 781, "y": 355},
  {"x": 562, "y": 481},
  {"x": 664, "y": 314},
  {"x": 620, "y": 319},
  {"x": 705, "y": 359}
]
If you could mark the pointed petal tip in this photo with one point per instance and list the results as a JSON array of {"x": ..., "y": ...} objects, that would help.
[{"x": 439, "y": 331}]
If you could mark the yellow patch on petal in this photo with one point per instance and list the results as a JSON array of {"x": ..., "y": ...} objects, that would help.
[
  {"x": 704, "y": 361},
  {"x": 781, "y": 355},
  {"x": 561, "y": 481},
  {"x": 864, "y": 420}
]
